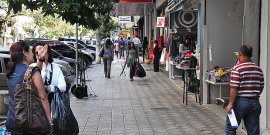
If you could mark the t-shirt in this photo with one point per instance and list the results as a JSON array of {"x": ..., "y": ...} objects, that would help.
[
  {"x": 122, "y": 43},
  {"x": 128, "y": 41},
  {"x": 136, "y": 41},
  {"x": 248, "y": 78}
]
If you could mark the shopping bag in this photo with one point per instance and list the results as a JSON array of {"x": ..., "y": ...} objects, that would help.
[
  {"x": 140, "y": 71},
  {"x": 63, "y": 120},
  {"x": 135, "y": 73}
]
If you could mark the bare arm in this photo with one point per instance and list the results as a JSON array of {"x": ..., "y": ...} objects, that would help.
[
  {"x": 126, "y": 57},
  {"x": 233, "y": 95},
  {"x": 38, "y": 83}
]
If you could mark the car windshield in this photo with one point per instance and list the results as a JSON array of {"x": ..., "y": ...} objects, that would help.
[{"x": 94, "y": 42}]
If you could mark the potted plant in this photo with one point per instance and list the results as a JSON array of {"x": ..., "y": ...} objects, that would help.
[{"x": 146, "y": 55}]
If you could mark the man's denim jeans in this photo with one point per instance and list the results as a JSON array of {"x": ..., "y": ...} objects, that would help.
[
  {"x": 249, "y": 110},
  {"x": 122, "y": 53}
]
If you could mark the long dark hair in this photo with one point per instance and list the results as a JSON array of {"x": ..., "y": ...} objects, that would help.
[
  {"x": 108, "y": 42},
  {"x": 50, "y": 58},
  {"x": 16, "y": 56},
  {"x": 129, "y": 46}
]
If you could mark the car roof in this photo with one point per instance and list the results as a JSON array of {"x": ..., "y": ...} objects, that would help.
[{"x": 4, "y": 55}]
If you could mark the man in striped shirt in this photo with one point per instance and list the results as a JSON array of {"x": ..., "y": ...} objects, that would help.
[{"x": 247, "y": 84}]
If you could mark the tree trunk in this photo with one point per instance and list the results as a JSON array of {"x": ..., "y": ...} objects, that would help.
[{"x": 98, "y": 60}]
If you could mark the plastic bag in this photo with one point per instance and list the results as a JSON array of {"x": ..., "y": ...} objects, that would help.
[
  {"x": 63, "y": 120},
  {"x": 135, "y": 73},
  {"x": 140, "y": 71},
  {"x": 4, "y": 132}
]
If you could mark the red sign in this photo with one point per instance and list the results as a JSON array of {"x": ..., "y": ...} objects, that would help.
[
  {"x": 160, "y": 21},
  {"x": 136, "y": 1}
]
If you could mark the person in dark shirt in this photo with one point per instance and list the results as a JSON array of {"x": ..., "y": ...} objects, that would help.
[
  {"x": 122, "y": 47},
  {"x": 156, "y": 56}
]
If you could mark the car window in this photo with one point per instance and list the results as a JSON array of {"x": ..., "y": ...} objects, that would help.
[
  {"x": 81, "y": 47},
  {"x": 64, "y": 47},
  {"x": 94, "y": 42},
  {"x": 55, "y": 55},
  {"x": 6, "y": 60}
]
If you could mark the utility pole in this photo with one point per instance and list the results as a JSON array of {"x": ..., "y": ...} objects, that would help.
[{"x": 98, "y": 60}]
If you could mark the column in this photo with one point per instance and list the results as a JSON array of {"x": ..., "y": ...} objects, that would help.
[{"x": 251, "y": 30}]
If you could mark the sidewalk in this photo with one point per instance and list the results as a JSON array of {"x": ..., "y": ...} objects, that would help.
[{"x": 147, "y": 106}]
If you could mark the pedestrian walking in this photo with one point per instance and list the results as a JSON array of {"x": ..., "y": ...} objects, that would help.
[
  {"x": 127, "y": 43},
  {"x": 136, "y": 42},
  {"x": 145, "y": 44},
  {"x": 108, "y": 58},
  {"x": 52, "y": 74},
  {"x": 131, "y": 59},
  {"x": 21, "y": 57},
  {"x": 156, "y": 56},
  {"x": 122, "y": 47},
  {"x": 247, "y": 83},
  {"x": 116, "y": 44}
]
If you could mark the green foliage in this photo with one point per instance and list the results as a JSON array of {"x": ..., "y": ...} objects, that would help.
[
  {"x": 147, "y": 51},
  {"x": 107, "y": 27},
  {"x": 72, "y": 11}
]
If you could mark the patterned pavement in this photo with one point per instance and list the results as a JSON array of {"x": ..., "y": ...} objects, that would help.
[{"x": 146, "y": 106}]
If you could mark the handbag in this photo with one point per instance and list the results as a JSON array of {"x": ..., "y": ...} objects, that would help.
[
  {"x": 64, "y": 122},
  {"x": 29, "y": 113},
  {"x": 101, "y": 53}
]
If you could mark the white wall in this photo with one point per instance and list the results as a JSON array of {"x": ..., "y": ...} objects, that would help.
[{"x": 225, "y": 35}]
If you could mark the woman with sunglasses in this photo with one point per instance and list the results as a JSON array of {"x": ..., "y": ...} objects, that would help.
[
  {"x": 21, "y": 57},
  {"x": 51, "y": 74}
]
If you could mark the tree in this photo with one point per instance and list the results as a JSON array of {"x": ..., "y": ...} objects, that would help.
[{"x": 73, "y": 11}]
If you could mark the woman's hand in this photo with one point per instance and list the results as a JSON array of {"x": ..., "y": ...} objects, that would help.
[{"x": 43, "y": 52}]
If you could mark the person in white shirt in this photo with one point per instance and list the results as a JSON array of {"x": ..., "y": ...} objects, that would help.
[
  {"x": 136, "y": 42},
  {"x": 51, "y": 74}
]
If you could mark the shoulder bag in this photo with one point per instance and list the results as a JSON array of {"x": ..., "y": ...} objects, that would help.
[
  {"x": 102, "y": 52},
  {"x": 29, "y": 113}
]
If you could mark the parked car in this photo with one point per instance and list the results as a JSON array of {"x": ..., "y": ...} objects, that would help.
[
  {"x": 4, "y": 59},
  {"x": 57, "y": 55},
  {"x": 81, "y": 47},
  {"x": 70, "y": 52}
]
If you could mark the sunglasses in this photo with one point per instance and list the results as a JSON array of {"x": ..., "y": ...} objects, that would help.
[{"x": 36, "y": 52}]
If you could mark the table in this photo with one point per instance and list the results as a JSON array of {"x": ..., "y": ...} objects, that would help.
[
  {"x": 186, "y": 84},
  {"x": 222, "y": 99},
  {"x": 171, "y": 70}
]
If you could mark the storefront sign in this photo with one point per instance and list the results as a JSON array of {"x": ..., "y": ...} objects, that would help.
[
  {"x": 126, "y": 32},
  {"x": 186, "y": 19},
  {"x": 160, "y": 21},
  {"x": 129, "y": 25},
  {"x": 124, "y": 19},
  {"x": 136, "y": 1}
]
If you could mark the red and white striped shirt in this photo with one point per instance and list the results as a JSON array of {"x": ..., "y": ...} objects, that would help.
[{"x": 248, "y": 78}]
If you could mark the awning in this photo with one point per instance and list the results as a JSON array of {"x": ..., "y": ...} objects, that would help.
[
  {"x": 128, "y": 9},
  {"x": 183, "y": 5}
]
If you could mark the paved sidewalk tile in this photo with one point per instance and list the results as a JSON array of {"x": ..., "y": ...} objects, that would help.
[{"x": 146, "y": 106}]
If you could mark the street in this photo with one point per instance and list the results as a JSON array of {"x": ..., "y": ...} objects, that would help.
[{"x": 146, "y": 106}]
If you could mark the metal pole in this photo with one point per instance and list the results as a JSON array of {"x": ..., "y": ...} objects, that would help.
[{"x": 76, "y": 55}]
